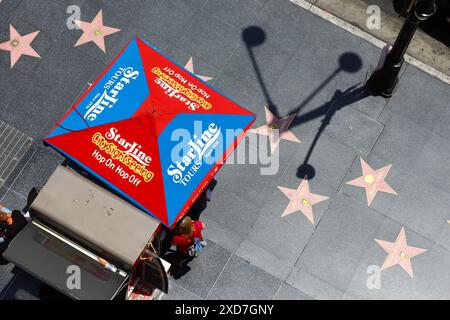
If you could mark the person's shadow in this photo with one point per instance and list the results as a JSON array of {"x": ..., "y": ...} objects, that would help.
[{"x": 348, "y": 62}]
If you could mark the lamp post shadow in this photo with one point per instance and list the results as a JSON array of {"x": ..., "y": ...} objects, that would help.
[{"x": 348, "y": 62}]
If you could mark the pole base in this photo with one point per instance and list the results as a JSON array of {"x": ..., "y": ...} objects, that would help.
[{"x": 384, "y": 81}]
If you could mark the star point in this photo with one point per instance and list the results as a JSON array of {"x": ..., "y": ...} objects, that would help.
[
  {"x": 276, "y": 129},
  {"x": 399, "y": 253},
  {"x": 190, "y": 67},
  {"x": 19, "y": 45},
  {"x": 94, "y": 31},
  {"x": 373, "y": 181},
  {"x": 301, "y": 199}
]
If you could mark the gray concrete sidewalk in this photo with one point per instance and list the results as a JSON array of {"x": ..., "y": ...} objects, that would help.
[{"x": 307, "y": 67}]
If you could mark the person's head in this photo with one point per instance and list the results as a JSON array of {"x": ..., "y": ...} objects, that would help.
[
  {"x": 3, "y": 216},
  {"x": 185, "y": 227}
]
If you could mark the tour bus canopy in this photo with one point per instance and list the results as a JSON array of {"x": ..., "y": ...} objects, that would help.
[{"x": 151, "y": 131}]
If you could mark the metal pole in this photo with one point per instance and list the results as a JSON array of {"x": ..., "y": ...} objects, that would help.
[{"x": 384, "y": 80}]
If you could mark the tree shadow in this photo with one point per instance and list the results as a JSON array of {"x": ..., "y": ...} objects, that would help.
[{"x": 348, "y": 62}]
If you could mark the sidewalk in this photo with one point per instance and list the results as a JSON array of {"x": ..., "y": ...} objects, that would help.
[{"x": 308, "y": 67}]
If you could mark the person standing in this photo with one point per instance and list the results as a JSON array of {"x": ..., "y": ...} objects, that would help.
[{"x": 11, "y": 223}]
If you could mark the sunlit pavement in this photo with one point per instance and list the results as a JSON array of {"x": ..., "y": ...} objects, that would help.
[{"x": 360, "y": 203}]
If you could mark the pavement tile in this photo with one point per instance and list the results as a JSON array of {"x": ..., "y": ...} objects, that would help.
[
  {"x": 40, "y": 112},
  {"x": 401, "y": 140},
  {"x": 274, "y": 245},
  {"x": 270, "y": 62},
  {"x": 397, "y": 178},
  {"x": 287, "y": 25},
  {"x": 65, "y": 72},
  {"x": 11, "y": 80},
  {"x": 241, "y": 280},
  {"x": 353, "y": 128},
  {"x": 337, "y": 247},
  {"x": 277, "y": 202},
  {"x": 370, "y": 105},
  {"x": 248, "y": 97},
  {"x": 114, "y": 43},
  {"x": 230, "y": 216},
  {"x": 433, "y": 162},
  {"x": 312, "y": 286},
  {"x": 329, "y": 158},
  {"x": 204, "y": 270},
  {"x": 288, "y": 292},
  {"x": 430, "y": 270},
  {"x": 264, "y": 259},
  {"x": 42, "y": 43},
  {"x": 424, "y": 105},
  {"x": 178, "y": 293},
  {"x": 237, "y": 13},
  {"x": 217, "y": 43},
  {"x": 13, "y": 200},
  {"x": 7, "y": 9},
  {"x": 49, "y": 16},
  {"x": 37, "y": 171},
  {"x": 6, "y": 275},
  {"x": 422, "y": 207},
  {"x": 20, "y": 165}
]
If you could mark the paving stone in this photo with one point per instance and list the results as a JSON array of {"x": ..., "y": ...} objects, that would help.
[
  {"x": 338, "y": 245},
  {"x": 114, "y": 43},
  {"x": 401, "y": 140},
  {"x": 329, "y": 159},
  {"x": 433, "y": 162},
  {"x": 65, "y": 71},
  {"x": 237, "y": 13},
  {"x": 429, "y": 269},
  {"x": 425, "y": 104},
  {"x": 241, "y": 280},
  {"x": 353, "y": 128},
  {"x": 397, "y": 178},
  {"x": 288, "y": 292},
  {"x": 178, "y": 293},
  {"x": 40, "y": 112},
  {"x": 48, "y": 16},
  {"x": 11, "y": 80},
  {"x": 42, "y": 43},
  {"x": 13, "y": 200},
  {"x": 204, "y": 270},
  {"x": 6, "y": 276},
  {"x": 37, "y": 171},
  {"x": 422, "y": 207},
  {"x": 274, "y": 245},
  {"x": 231, "y": 217},
  {"x": 312, "y": 286},
  {"x": 217, "y": 42}
]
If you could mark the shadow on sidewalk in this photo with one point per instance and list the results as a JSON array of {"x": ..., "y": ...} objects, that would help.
[{"x": 348, "y": 62}]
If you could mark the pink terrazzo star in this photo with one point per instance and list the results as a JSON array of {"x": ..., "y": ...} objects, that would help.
[
  {"x": 190, "y": 67},
  {"x": 373, "y": 181},
  {"x": 301, "y": 200},
  {"x": 399, "y": 253},
  {"x": 19, "y": 45},
  {"x": 94, "y": 31},
  {"x": 282, "y": 125}
]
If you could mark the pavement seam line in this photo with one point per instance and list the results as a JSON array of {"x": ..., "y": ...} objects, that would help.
[
  {"x": 369, "y": 38},
  {"x": 220, "y": 274}
]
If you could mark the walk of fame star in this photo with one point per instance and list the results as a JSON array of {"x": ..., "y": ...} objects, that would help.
[
  {"x": 372, "y": 181},
  {"x": 301, "y": 199},
  {"x": 94, "y": 31},
  {"x": 273, "y": 123},
  {"x": 399, "y": 253},
  {"x": 190, "y": 67},
  {"x": 19, "y": 45}
]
